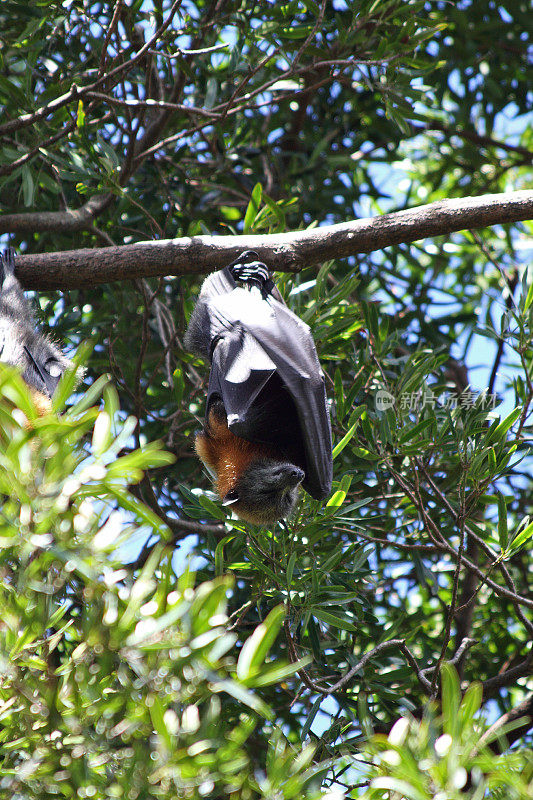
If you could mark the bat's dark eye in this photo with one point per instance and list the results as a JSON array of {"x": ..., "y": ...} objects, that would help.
[{"x": 53, "y": 368}]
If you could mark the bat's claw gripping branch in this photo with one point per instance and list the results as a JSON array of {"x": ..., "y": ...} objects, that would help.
[
  {"x": 7, "y": 263},
  {"x": 249, "y": 270}
]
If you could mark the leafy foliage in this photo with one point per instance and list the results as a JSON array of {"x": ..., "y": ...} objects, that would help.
[
  {"x": 154, "y": 120},
  {"x": 112, "y": 685},
  {"x": 447, "y": 756}
]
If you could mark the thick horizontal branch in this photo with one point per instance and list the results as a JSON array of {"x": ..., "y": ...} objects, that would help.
[
  {"x": 285, "y": 252},
  {"x": 66, "y": 221}
]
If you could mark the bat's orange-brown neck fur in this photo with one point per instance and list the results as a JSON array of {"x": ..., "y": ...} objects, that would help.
[
  {"x": 42, "y": 402},
  {"x": 226, "y": 454}
]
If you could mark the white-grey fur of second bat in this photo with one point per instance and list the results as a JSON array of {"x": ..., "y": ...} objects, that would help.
[{"x": 22, "y": 343}]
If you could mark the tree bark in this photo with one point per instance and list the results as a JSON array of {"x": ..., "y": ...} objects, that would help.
[
  {"x": 285, "y": 252},
  {"x": 67, "y": 221}
]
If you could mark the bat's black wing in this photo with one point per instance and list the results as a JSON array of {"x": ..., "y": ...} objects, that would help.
[{"x": 263, "y": 354}]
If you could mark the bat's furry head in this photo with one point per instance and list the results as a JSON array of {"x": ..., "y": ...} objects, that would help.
[
  {"x": 266, "y": 491},
  {"x": 41, "y": 361},
  {"x": 22, "y": 344},
  {"x": 259, "y": 485}
]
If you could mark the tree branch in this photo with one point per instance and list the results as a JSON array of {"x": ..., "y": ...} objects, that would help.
[
  {"x": 77, "y": 92},
  {"x": 523, "y": 713},
  {"x": 65, "y": 221},
  {"x": 285, "y": 252},
  {"x": 473, "y": 136},
  {"x": 181, "y": 528},
  {"x": 392, "y": 644}
]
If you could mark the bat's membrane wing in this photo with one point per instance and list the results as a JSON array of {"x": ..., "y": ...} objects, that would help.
[{"x": 253, "y": 339}]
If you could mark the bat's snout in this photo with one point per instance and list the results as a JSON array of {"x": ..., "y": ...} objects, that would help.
[{"x": 289, "y": 475}]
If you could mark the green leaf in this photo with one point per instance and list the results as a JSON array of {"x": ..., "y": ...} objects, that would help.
[
  {"x": 361, "y": 556},
  {"x": 339, "y": 447},
  {"x": 169, "y": 619},
  {"x": 242, "y": 695},
  {"x": 66, "y": 386},
  {"x": 311, "y": 717},
  {"x": 257, "y": 646},
  {"x": 296, "y": 32},
  {"x": 58, "y": 615},
  {"x": 28, "y": 186},
  {"x": 88, "y": 398},
  {"x": 336, "y": 500},
  {"x": 529, "y": 296},
  {"x": 522, "y": 537},
  {"x": 253, "y": 208},
  {"x": 219, "y": 554},
  {"x": 277, "y": 212},
  {"x": 332, "y": 619},
  {"x": 314, "y": 639},
  {"x": 212, "y": 509},
  {"x": 111, "y": 401},
  {"x": 80, "y": 115},
  {"x": 412, "y": 433},
  {"x": 129, "y": 466},
  {"x": 211, "y": 93},
  {"x": 470, "y": 704},
  {"x": 451, "y": 696},
  {"x": 157, "y": 715},
  {"x": 101, "y": 433},
  {"x": 138, "y": 509},
  {"x": 179, "y": 384},
  {"x": 499, "y": 431},
  {"x": 290, "y": 568},
  {"x": 399, "y": 787},
  {"x": 275, "y": 673},
  {"x": 109, "y": 153},
  {"x": 503, "y": 532},
  {"x": 363, "y": 712}
]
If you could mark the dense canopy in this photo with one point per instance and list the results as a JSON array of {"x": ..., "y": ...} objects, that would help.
[{"x": 376, "y": 646}]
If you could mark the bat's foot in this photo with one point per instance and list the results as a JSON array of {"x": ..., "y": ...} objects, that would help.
[
  {"x": 249, "y": 270},
  {"x": 7, "y": 263}
]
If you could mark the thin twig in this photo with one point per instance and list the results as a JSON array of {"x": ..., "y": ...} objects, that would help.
[
  {"x": 451, "y": 611},
  {"x": 392, "y": 643},
  {"x": 76, "y": 93},
  {"x": 441, "y": 543},
  {"x": 523, "y": 711},
  {"x": 108, "y": 35},
  {"x": 151, "y": 104}
]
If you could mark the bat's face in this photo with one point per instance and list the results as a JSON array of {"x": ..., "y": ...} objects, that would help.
[
  {"x": 265, "y": 492},
  {"x": 41, "y": 363},
  {"x": 21, "y": 343},
  {"x": 258, "y": 484}
]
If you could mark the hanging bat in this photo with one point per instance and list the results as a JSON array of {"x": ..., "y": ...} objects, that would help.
[
  {"x": 21, "y": 342},
  {"x": 267, "y": 427}
]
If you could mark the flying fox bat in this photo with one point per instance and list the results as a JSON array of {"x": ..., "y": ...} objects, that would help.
[
  {"x": 267, "y": 427},
  {"x": 21, "y": 342}
]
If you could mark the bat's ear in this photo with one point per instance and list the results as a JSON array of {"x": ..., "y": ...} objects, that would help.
[{"x": 230, "y": 498}]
